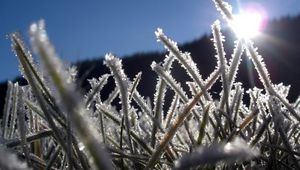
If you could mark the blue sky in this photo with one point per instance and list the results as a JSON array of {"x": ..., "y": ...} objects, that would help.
[{"x": 89, "y": 29}]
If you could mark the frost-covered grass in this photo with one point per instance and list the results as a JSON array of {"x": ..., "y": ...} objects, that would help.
[{"x": 48, "y": 124}]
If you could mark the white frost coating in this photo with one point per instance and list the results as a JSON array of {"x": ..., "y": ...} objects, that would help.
[
  {"x": 159, "y": 32},
  {"x": 160, "y": 90},
  {"x": 72, "y": 72},
  {"x": 184, "y": 59},
  {"x": 168, "y": 43},
  {"x": 166, "y": 76},
  {"x": 238, "y": 146},
  {"x": 149, "y": 137},
  {"x": 260, "y": 67},
  {"x": 218, "y": 40},
  {"x": 67, "y": 97},
  {"x": 122, "y": 82},
  {"x": 224, "y": 8},
  {"x": 172, "y": 111},
  {"x": 237, "y": 150},
  {"x": 42, "y": 45},
  {"x": 141, "y": 102},
  {"x": 115, "y": 64},
  {"x": 282, "y": 90},
  {"x": 235, "y": 61},
  {"x": 17, "y": 41},
  {"x": 96, "y": 87},
  {"x": 38, "y": 30}
]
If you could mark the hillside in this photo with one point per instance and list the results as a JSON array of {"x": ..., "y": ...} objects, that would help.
[{"x": 279, "y": 46}]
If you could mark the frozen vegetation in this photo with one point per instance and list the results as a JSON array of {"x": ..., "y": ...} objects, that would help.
[{"x": 48, "y": 124}]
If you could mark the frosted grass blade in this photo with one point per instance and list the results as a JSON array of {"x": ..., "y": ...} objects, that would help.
[
  {"x": 117, "y": 121},
  {"x": 68, "y": 96},
  {"x": 174, "y": 127},
  {"x": 134, "y": 85},
  {"x": 22, "y": 124},
  {"x": 235, "y": 62},
  {"x": 184, "y": 58},
  {"x": 224, "y": 8},
  {"x": 14, "y": 110},
  {"x": 6, "y": 110},
  {"x": 46, "y": 109},
  {"x": 202, "y": 125},
  {"x": 115, "y": 66},
  {"x": 29, "y": 138},
  {"x": 166, "y": 76},
  {"x": 96, "y": 86},
  {"x": 159, "y": 97},
  {"x": 170, "y": 113},
  {"x": 222, "y": 62}
]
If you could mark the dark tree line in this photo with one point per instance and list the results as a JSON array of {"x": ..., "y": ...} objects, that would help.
[{"x": 279, "y": 46}]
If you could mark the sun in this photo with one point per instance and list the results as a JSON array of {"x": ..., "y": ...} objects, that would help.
[{"x": 247, "y": 24}]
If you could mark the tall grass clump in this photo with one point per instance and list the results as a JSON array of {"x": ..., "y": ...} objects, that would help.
[{"x": 49, "y": 124}]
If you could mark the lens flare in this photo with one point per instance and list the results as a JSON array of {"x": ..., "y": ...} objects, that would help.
[{"x": 248, "y": 23}]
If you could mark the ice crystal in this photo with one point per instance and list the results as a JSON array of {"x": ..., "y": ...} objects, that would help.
[
  {"x": 169, "y": 80},
  {"x": 184, "y": 58},
  {"x": 224, "y": 8},
  {"x": 96, "y": 87},
  {"x": 260, "y": 66},
  {"x": 235, "y": 62}
]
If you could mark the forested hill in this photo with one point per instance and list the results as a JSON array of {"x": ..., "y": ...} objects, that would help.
[{"x": 279, "y": 46}]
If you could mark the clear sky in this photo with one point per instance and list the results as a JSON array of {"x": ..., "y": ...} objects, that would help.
[{"x": 88, "y": 29}]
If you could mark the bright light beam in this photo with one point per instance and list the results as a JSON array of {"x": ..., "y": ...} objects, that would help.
[{"x": 247, "y": 24}]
